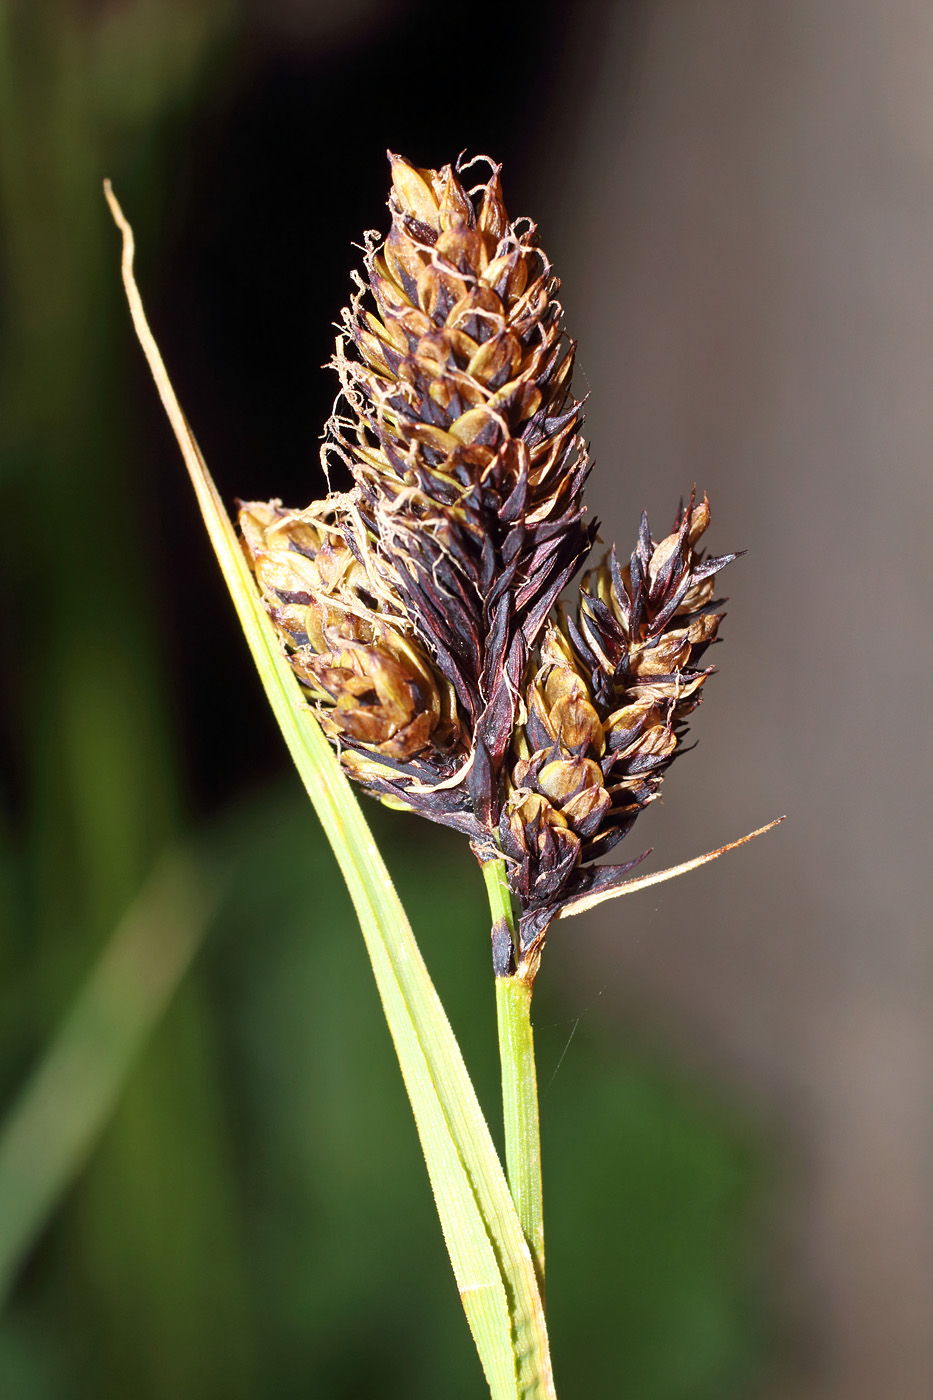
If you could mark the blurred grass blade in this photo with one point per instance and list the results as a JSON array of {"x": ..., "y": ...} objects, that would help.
[
  {"x": 50, "y": 1130},
  {"x": 490, "y": 1257}
]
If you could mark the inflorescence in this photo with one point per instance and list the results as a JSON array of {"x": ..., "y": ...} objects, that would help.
[{"x": 420, "y": 608}]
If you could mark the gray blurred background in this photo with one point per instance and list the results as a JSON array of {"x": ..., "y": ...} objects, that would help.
[
  {"x": 735, "y": 1067},
  {"x": 745, "y": 222}
]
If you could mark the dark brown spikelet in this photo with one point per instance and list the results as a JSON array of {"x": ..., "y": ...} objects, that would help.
[
  {"x": 461, "y": 432},
  {"x": 606, "y": 713}
]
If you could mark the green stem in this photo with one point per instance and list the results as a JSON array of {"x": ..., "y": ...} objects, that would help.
[{"x": 519, "y": 1078}]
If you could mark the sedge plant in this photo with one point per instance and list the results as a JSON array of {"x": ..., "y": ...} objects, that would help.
[{"x": 411, "y": 638}]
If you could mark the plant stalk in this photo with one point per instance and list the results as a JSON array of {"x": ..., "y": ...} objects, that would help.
[{"x": 517, "y": 1060}]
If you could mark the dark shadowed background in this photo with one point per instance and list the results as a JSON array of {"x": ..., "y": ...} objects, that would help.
[{"x": 736, "y": 1067}]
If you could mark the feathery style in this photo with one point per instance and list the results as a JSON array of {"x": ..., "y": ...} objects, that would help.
[{"x": 420, "y": 608}]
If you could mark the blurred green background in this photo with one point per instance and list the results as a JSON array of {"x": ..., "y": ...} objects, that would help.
[{"x": 254, "y": 1219}]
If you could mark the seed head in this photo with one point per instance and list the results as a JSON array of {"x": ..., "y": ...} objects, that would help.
[{"x": 419, "y": 609}]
